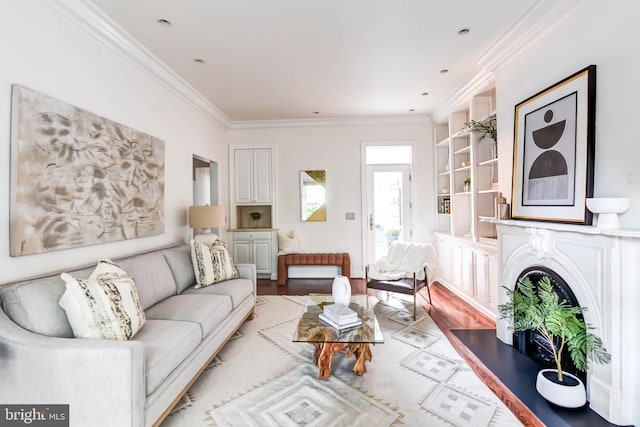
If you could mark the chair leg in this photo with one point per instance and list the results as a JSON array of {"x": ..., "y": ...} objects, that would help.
[
  {"x": 426, "y": 279},
  {"x": 414, "y": 307},
  {"x": 429, "y": 294}
]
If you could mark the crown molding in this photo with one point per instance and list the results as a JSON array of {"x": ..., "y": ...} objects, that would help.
[
  {"x": 533, "y": 24},
  {"x": 96, "y": 23},
  {"x": 472, "y": 86},
  {"x": 538, "y": 20},
  {"x": 400, "y": 119}
]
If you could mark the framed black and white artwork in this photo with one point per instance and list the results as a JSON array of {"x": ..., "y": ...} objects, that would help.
[{"x": 553, "y": 153}]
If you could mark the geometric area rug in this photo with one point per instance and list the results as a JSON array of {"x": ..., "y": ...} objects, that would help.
[{"x": 262, "y": 378}]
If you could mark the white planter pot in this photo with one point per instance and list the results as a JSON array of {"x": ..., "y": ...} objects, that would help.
[{"x": 567, "y": 396}]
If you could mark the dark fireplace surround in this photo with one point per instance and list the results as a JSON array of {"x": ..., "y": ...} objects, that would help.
[{"x": 532, "y": 343}]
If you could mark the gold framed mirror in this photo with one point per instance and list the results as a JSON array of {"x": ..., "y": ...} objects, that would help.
[{"x": 312, "y": 196}]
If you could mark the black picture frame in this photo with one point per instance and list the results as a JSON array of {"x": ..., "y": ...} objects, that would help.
[{"x": 554, "y": 151}]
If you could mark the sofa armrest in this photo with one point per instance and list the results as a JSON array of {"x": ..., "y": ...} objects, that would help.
[
  {"x": 102, "y": 381},
  {"x": 248, "y": 271}
]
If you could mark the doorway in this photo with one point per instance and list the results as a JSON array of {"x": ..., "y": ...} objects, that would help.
[
  {"x": 388, "y": 199},
  {"x": 205, "y": 182}
]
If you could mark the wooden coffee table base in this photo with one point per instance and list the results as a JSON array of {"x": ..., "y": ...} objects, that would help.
[{"x": 323, "y": 356}]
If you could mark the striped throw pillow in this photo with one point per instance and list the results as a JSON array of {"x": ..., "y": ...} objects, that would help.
[
  {"x": 105, "y": 306},
  {"x": 212, "y": 264}
]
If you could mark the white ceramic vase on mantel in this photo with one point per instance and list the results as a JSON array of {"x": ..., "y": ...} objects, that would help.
[{"x": 341, "y": 290}]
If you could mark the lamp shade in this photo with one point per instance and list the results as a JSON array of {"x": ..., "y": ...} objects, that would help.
[{"x": 206, "y": 216}]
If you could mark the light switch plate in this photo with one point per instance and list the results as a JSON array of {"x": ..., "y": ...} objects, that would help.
[{"x": 350, "y": 215}]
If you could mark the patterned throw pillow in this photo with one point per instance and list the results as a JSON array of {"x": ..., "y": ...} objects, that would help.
[
  {"x": 106, "y": 305},
  {"x": 212, "y": 264}
]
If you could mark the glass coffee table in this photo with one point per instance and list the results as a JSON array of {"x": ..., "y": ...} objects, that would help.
[{"x": 328, "y": 340}]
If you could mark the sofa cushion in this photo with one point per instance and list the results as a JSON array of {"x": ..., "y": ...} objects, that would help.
[
  {"x": 237, "y": 289},
  {"x": 166, "y": 344},
  {"x": 152, "y": 276},
  {"x": 33, "y": 305},
  {"x": 205, "y": 310},
  {"x": 179, "y": 260},
  {"x": 212, "y": 264},
  {"x": 105, "y": 306}
]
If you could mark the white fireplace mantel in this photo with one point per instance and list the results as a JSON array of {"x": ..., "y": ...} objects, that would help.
[{"x": 602, "y": 267}]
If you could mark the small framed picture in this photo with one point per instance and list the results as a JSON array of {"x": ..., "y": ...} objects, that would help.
[{"x": 554, "y": 149}]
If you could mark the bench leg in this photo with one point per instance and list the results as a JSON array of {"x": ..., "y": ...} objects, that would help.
[{"x": 282, "y": 271}]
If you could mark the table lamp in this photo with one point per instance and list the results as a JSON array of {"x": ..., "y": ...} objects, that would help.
[{"x": 206, "y": 218}]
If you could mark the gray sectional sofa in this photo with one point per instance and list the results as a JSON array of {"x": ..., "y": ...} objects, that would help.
[{"x": 119, "y": 383}]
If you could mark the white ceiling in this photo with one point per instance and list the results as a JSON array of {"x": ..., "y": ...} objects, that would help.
[{"x": 286, "y": 59}]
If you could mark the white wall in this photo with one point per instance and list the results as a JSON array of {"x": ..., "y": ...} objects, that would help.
[
  {"x": 45, "y": 51},
  {"x": 600, "y": 33},
  {"x": 336, "y": 148}
]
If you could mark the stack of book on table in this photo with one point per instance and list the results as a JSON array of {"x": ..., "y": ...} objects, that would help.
[{"x": 340, "y": 316}]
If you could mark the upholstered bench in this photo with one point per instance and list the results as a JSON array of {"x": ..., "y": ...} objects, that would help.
[{"x": 285, "y": 260}]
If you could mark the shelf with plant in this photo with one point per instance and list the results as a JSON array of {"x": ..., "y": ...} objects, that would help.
[{"x": 485, "y": 128}]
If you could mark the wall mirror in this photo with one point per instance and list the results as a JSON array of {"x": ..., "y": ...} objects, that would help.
[{"x": 312, "y": 196}]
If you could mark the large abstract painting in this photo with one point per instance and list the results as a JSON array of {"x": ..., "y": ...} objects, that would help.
[{"x": 79, "y": 179}]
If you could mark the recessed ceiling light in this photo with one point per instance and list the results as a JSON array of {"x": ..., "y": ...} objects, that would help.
[
  {"x": 198, "y": 61},
  {"x": 164, "y": 22},
  {"x": 425, "y": 93},
  {"x": 444, "y": 71},
  {"x": 463, "y": 32}
]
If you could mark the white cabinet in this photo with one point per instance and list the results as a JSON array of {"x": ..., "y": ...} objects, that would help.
[
  {"x": 253, "y": 176},
  {"x": 470, "y": 270},
  {"x": 255, "y": 247}
]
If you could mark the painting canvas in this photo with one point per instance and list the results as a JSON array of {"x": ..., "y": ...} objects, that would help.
[
  {"x": 550, "y": 154},
  {"x": 554, "y": 147},
  {"x": 79, "y": 179}
]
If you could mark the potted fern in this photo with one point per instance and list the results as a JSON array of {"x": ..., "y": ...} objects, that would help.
[
  {"x": 540, "y": 309},
  {"x": 487, "y": 129}
]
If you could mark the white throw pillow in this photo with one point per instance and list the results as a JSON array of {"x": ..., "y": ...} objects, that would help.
[
  {"x": 289, "y": 243},
  {"x": 106, "y": 305},
  {"x": 212, "y": 264}
]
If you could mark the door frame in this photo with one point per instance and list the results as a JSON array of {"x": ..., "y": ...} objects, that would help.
[{"x": 364, "y": 191}]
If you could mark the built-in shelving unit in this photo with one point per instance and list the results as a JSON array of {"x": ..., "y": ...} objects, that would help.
[{"x": 466, "y": 173}]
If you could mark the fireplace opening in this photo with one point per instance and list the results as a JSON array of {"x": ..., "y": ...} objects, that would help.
[{"x": 532, "y": 343}]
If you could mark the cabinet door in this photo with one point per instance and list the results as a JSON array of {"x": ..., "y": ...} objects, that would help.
[
  {"x": 242, "y": 252},
  {"x": 243, "y": 176},
  {"x": 481, "y": 277},
  {"x": 443, "y": 247},
  {"x": 262, "y": 169},
  {"x": 456, "y": 266},
  {"x": 262, "y": 255},
  {"x": 467, "y": 270},
  {"x": 493, "y": 284}
]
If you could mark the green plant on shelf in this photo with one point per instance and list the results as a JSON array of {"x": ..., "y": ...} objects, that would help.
[
  {"x": 467, "y": 184},
  {"x": 486, "y": 128}
]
